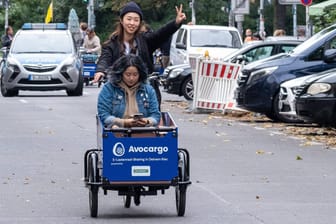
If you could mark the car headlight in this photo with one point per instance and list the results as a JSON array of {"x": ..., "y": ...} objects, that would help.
[
  {"x": 262, "y": 72},
  {"x": 317, "y": 88},
  {"x": 175, "y": 72},
  {"x": 69, "y": 61},
  {"x": 11, "y": 62}
]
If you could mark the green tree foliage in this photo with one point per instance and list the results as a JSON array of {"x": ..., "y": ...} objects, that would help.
[
  {"x": 34, "y": 11},
  {"x": 326, "y": 19},
  {"x": 156, "y": 13}
]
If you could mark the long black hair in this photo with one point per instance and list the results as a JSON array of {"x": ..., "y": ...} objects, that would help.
[{"x": 116, "y": 71}]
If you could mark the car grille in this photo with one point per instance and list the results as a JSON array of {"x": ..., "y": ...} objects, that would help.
[
  {"x": 39, "y": 82},
  {"x": 298, "y": 90},
  {"x": 39, "y": 69},
  {"x": 243, "y": 77}
]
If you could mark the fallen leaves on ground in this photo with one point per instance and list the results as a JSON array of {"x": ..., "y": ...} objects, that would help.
[{"x": 309, "y": 132}]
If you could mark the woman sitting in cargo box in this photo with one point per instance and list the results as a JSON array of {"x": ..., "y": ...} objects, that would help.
[{"x": 127, "y": 100}]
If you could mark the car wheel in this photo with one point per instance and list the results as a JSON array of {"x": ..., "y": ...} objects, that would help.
[
  {"x": 280, "y": 117},
  {"x": 8, "y": 92},
  {"x": 78, "y": 91},
  {"x": 187, "y": 88},
  {"x": 2, "y": 65}
]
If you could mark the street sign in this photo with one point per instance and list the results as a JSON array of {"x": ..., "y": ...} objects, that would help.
[
  {"x": 306, "y": 2},
  {"x": 240, "y": 6},
  {"x": 289, "y": 2}
]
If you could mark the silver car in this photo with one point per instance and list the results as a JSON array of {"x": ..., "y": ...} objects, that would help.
[
  {"x": 42, "y": 57},
  {"x": 290, "y": 89}
]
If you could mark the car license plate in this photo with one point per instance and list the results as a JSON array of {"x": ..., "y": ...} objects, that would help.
[
  {"x": 39, "y": 77},
  {"x": 86, "y": 73}
]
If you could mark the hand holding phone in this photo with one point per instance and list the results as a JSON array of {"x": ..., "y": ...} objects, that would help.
[
  {"x": 140, "y": 120},
  {"x": 138, "y": 116}
]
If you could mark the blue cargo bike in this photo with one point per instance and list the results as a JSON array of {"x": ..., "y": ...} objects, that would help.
[
  {"x": 136, "y": 162},
  {"x": 89, "y": 66}
]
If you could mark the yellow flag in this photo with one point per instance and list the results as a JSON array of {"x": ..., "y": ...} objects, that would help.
[{"x": 49, "y": 15}]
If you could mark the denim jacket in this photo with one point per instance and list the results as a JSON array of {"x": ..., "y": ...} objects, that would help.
[{"x": 112, "y": 103}]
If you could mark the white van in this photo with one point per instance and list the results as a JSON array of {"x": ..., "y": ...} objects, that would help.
[{"x": 219, "y": 41}]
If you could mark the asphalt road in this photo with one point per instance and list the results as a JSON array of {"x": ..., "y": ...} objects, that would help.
[{"x": 242, "y": 173}]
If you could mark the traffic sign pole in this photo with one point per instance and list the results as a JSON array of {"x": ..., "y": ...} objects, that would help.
[
  {"x": 306, "y": 3},
  {"x": 308, "y": 34},
  {"x": 294, "y": 20}
]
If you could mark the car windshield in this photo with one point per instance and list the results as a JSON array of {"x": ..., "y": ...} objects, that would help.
[
  {"x": 44, "y": 42},
  {"x": 308, "y": 43},
  {"x": 215, "y": 38}
]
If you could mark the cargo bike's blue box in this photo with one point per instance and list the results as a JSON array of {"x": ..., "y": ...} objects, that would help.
[
  {"x": 137, "y": 161},
  {"x": 89, "y": 66},
  {"x": 138, "y": 158}
]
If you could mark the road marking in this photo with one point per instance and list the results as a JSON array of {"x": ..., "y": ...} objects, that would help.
[{"x": 23, "y": 101}]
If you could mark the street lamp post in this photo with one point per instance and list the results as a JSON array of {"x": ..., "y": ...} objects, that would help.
[
  {"x": 5, "y": 4},
  {"x": 91, "y": 15},
  {"x": 231, "y": 13},
  {"x": 261, "y": 20},
  {"x": 6, "y": 14},
  {"x": 193, "y": 16},
  {"x": 91, "y": 6}
]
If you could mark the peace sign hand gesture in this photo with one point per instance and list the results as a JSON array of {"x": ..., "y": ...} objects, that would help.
[{"x": 180, "y": 15}]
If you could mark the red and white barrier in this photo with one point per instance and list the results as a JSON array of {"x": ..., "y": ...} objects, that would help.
[{"x": 214, "y": 84}]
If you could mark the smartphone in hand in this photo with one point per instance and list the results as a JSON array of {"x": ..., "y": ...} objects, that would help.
[{"x": 138, "y": 116}]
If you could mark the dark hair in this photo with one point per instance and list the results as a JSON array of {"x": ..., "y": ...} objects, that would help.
[
  {"x": 90, "y": 30},
  {"x": 116, "y": 71},
  {"x": 7, "y": 29},
  {"x": 83, "y": 26}
]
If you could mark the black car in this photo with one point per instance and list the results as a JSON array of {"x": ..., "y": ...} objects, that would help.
[
  {"x": 178, "y": 79},
  {"x": 259, "y": 82},
  {"x": 316, "y": 101}
]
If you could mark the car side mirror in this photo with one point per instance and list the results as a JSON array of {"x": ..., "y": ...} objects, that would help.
[
  {"x": 181, "y": 46},
  {"x": 329, "y": 56},
  {"x": 4, "y": 51}
]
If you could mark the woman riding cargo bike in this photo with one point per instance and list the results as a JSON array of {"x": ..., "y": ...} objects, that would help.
[{"x": 128, "y": 38}]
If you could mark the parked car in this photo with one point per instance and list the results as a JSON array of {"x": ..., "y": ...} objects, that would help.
[
  {"x": 42, "y": 57},
  {"x": 178, "y": 79},
  {"x": 293, "y": 87},
  {"x": 189, "y": 40},
  {"x": 259, "y": 82},
  {"x": 316, "y": 102},
  {"x": 288, "y": 90},
  {"x": 272, "y": 38},
  {"x": 257, "y": 50}
]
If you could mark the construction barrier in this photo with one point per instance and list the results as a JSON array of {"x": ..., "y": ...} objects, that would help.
[
  {"x": 214, "y": 83},
  {"x": 193, "y": 60}
]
